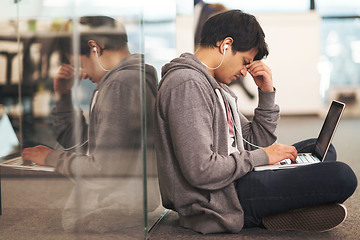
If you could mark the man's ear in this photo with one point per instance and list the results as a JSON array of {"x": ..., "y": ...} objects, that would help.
[
  {"x": 94, "y": 47},
  {"x": 225, "y": 45}
]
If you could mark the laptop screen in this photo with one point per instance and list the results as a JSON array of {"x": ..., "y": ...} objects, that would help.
[
  {"x": 9, "y": 142},
  {"x": 328, "y": 129}
]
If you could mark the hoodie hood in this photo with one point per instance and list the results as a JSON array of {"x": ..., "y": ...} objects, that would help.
[
  {"x": 135, "y": 62},
  {"x": 190, "y": 61}
]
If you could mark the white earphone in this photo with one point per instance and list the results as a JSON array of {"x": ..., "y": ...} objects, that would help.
[
  {"x": 225, "y": 47},
  {"x": 97, "y": 57}
]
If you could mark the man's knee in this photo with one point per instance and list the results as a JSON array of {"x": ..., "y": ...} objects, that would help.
[
  {"x": 331, "y": 154},
  {"x": 344, "y": 178}
]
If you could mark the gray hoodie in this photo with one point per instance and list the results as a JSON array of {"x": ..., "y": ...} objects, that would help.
[
  {"x": 115, "y": 123},
  {"x": 196, "y": 171}
]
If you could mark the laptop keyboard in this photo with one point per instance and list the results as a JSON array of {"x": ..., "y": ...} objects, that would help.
[
  {"x": 306, "y": 159},
  {"x": 19, "y": 161},
  {"x": 301, "y": 159},
  {"x": 16, "y": 161}
]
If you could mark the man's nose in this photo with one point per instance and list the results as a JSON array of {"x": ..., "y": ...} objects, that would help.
[
  {"x": 83, "y": 75},
  {"x": 243, "y": 71}
]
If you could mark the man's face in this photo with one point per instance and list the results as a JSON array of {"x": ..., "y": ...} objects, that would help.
[
  {"x": 234, "y": 65},
  {"x": 90, "y": 68}
]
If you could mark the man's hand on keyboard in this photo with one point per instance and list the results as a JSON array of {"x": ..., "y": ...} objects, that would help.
[
  {"x": 36, "y": 154},
  {"x": 279, "y": 152}
]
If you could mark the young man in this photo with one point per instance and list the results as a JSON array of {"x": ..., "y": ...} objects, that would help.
[
  {"x": 110, "y": 145},
  {"x": 205, "y": 168}
]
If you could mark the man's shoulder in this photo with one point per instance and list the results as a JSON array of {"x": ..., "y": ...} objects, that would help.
[
  {"x": 183, "y": 77},
  {"x": 122, "y": 77}
]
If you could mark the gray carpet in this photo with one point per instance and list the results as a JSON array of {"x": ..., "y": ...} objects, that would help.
[{"x": 32, "y": 209}]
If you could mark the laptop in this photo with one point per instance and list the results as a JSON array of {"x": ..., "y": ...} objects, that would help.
[
  {"x": 321, "y": 146},
  {"x": 10, "y": 152}
]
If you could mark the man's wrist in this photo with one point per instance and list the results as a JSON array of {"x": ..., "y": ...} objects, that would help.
[
  {"x": 63, "y": 102},
  {"x": 268, "y": 89},
  {"x": 266, "y": 99}
]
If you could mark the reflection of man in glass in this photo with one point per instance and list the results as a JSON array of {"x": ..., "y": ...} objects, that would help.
[{"x": 110, "y": 145}]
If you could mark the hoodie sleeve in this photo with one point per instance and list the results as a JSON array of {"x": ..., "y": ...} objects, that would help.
[
  {"x": 64, "y": 121},
  {"x": 261, "y": 130}
]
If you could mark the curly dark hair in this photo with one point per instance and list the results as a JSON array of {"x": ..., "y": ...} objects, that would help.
[
  {"x": 104, "y": 30},
  {"x": 243, "y": 28}
]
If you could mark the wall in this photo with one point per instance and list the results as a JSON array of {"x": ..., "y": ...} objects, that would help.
[{"x": 293, "y": 41}]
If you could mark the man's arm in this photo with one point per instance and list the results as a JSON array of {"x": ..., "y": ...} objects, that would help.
[
  {"x": 65, "y": 118},
  {"x": 261, "y": 131},
  {"x": 69, "y": 125}
]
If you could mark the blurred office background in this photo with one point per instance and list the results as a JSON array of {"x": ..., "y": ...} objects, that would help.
[{"x": 314, "y": 56}]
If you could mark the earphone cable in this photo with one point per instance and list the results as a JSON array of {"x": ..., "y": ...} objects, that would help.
[
  {"x": 98, "y": 60},
  {"x": 232, "y": 119},
  {"x": 76, "y": 145},
  {"x": 222, "y": 60}
]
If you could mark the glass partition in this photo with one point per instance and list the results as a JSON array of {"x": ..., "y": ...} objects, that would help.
[{"x": 79, "y": 79}]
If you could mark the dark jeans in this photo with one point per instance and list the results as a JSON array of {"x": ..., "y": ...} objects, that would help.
[{"x": 268, "y": 192}]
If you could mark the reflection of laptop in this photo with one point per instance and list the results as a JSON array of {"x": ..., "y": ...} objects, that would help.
[
  {"x": 10, "y": 153},
  {"x": 321, "y": 146}
]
